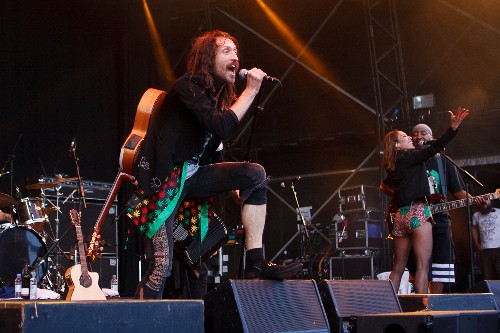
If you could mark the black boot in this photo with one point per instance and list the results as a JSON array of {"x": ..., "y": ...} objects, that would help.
[{"x": 267, "y": 270}]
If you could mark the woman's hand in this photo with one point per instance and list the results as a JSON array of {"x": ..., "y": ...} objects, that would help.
[{"x": 456, "y": 119}]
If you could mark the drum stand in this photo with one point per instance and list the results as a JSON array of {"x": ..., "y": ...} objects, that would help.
[{"x": 55, "y": 283}]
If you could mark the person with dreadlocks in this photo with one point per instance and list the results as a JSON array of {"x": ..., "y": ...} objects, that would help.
[
  {"x": 180, "y": 164},
  {"x": 406, "y": 172}
]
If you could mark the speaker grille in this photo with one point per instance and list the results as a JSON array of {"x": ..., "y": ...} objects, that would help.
[
  {"x": 356, "y": 297},
  {"x": 279, "y": 306},
  {"x": 274, "y": 306}
]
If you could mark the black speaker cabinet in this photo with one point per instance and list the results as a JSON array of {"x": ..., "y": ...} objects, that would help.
[
  {"x": 345, "y": 298},
  {"x": 265, "y": 306},
  {"x": 447, "y": 302},
  {"x": 106, "y": 266},
  {"x": 488, "y": 286},
  {"x": 102, "y": 316},
  {"x": 427, "y": 322},
  {"x": 62, "y": 228}
]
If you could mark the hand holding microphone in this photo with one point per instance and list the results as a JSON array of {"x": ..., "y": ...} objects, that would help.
[
  {"x": 244, "y": 72},
  {"x": 424, "y": 143}
]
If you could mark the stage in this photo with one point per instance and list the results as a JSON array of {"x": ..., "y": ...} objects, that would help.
[{"x": 268, "y": 306}]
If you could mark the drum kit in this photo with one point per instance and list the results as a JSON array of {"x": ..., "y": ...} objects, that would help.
[{"x": 24, "y": 240}]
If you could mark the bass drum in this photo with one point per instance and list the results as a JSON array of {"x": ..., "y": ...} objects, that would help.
[{"x": 20, "y": 245}]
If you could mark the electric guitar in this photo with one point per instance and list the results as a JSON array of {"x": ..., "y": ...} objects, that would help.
[
  {"x": 148, "y": 105},
  {"x": 441, "y": 207},
  {"x": 82, "y": 284}
]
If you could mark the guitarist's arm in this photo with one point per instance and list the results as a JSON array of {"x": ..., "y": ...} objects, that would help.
[{"x": 386, "y": 189}]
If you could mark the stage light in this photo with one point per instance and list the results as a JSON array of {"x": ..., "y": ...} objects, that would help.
[
  {"x": 297, "y": 45},
  {"x": 423, "y": 102},
  {"x": 160, "y": 53}
]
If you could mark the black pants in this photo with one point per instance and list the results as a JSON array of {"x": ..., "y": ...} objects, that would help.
[{"x": 249, "y": 178}]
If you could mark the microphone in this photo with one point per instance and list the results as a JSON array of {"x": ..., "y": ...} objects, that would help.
[
  {"x": 422, "y": 143},
  {"x": 73, "y": 145},
  {"x": 243, "y": 75},
  {"x": 295, "y": 179},
  {"x": 18, "y": 193},
  {"x": 4, "y": 173}
]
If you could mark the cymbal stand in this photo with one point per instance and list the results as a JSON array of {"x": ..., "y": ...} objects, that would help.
[
  {"x": 55, "y": 238},
  {"x": 10, "y": 162}
]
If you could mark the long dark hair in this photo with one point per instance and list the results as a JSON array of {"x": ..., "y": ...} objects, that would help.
[
  {"x": 201, "y": 61},
  {"x": 390, "y": 140}
]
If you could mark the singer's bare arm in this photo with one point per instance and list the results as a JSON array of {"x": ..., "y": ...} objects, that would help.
[{"x": 254, "y": 81}]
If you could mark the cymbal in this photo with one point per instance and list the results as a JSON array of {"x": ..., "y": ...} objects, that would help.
[
  {"x": 38, "y": 186},
  {"x": 6, "y": 201}
]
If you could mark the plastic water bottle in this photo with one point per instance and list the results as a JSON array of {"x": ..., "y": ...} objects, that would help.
[
  {"x": 18, "y": 284},
  {"x": 25, "y": 284},
  {"x": 114, "y": 283},
  {"x": 33, "y": 286}
]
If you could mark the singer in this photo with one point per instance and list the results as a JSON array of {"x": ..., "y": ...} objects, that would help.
[
  {"x": 181, "y": 162},
  {"x": 407, "y": 176}
]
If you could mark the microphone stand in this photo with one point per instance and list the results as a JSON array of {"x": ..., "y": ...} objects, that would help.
[
  {"x": 467, "y": 178},
  {"x": 10, "y": 161},
  {"x": 256, "y": 110},
  {"x": 304, "y": 241},
  {"x": 80, "y": 184},
  {"x": 303, "y": 227}
]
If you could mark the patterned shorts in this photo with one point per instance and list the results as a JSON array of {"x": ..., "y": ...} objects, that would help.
[{"x": 409, "y": 218}]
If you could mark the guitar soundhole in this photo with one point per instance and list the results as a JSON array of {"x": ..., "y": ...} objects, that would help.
[
  {"x": 132, "y": 141},
  {"x": 85, "y": 280}
]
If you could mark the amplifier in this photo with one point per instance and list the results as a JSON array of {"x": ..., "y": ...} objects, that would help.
[
  {"x": 93, "y": 190},
  {"x": 353, "y": 267},
  {"x": 358, "y": 235},
  {"x": 359, "y": 198}
]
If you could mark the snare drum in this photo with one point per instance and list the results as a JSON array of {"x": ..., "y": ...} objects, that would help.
[{"x": 30, "y": 212}]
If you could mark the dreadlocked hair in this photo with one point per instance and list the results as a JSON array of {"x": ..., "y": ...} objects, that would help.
[
  {"x": 390, "y": 140},
  {"x": 201, "y": 61}
]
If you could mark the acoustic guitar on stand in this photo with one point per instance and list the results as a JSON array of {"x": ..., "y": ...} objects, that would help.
[{"x": 82, "y": 284}]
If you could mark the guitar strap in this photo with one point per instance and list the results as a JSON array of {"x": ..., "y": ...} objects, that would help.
[{"x": 442, "y": 175}]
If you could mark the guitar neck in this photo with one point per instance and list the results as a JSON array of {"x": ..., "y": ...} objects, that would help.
[
  {"x": 438, "y": 208},
  {"x": 81, "y": 250},
  {"x": 109, "y": 200},
  {"x": 94, "y": 242}
]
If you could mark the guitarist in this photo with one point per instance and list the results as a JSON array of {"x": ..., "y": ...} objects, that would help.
[
  {"x": 443, "y": 178},
  {"x": 181, "y": 162},
  {"x": 406, "y": 171}
]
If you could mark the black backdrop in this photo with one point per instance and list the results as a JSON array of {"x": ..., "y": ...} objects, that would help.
[{"x": 74, "y": 69}]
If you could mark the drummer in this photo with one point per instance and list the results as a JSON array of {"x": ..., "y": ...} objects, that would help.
[{"x": 5, "y": 217}]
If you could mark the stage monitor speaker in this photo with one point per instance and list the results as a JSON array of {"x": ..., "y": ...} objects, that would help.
[
  {"x": 343, "y": 299},
  {"x": 66, "y": 231},
  {"x": 110, "y": 316},
  {"x": 447, "y": 302},
  {"x": 260, "y": 306},
  {"x": 428, "y": 322},
  {"x": 488, "y": 286}
]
